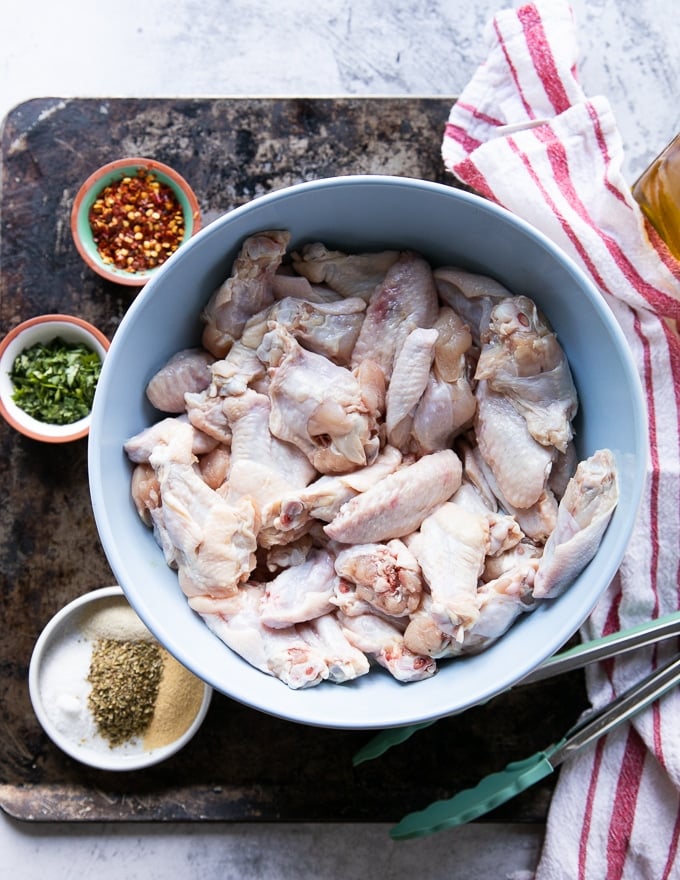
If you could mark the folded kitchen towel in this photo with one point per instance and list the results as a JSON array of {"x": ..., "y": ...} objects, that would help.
[{"x": 524, "y": 134}]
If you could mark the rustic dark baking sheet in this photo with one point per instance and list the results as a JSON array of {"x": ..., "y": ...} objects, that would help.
[{"x": 242, "y": 765}]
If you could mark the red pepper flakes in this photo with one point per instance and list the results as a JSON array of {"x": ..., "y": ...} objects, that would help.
[{"x": 137, "y": 222}]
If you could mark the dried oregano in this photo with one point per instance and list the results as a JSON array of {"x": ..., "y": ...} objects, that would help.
[{"x": 125, "y": 677}]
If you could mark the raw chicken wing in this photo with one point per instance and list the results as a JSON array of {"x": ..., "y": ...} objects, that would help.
[
  {"x": 398, "y": 504},
  {"x": 318, "y": 406},
  {"x": 448, "y": 403},
  {"x": 301, "y": 592},
  {"x": 282, "y": 653},
  {"x": 424, "y": 636},
  {"x": 387, "y": 576},
  {"x": 247, "y": 290},
  {"x": 536, "y": 521},
  {"x": 323, "y": 498},
  {"x": 139, "y": 448},
  {"x": 522, "y": 359},
  {"x": 384, "y": 642},
  {"x": 470, "y": 295},
  {"x": 262, "y": 467},
  {"x": 519, "y": 463},
  {"x": 188, "y": 370},
  {"x": 238, "y": 370},
  {"x": 214, "y": 541},
  {"x": 328, "y": 329},
  {"x": 501, "y": 601},
  {"x": 343, "y": 660},
  {"x": 408, "y": 383},
  {"x": 451, "y": 547},
  {"x": 348, "y": 274},
  {"x": 406, "y": 299},
  {"x": 582, "y": 517},
  {"x": 204, "y": 411}
]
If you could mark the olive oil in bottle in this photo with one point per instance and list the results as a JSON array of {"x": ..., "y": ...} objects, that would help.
[{"x": 657, "y": 191}]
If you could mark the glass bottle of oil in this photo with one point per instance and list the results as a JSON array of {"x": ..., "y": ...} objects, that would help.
[{"x": 657, "y": 191}]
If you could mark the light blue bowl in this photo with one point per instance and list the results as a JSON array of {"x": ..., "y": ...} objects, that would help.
[{"x": 364, "y": 213}]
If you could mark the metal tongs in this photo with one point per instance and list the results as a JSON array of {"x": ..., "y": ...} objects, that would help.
[{"x": 517, "y": 776}]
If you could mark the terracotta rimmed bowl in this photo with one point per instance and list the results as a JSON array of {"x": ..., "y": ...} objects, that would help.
[
  {"x": 91, "y": 190},
  {"x": 58, "y": 688},
  {"x": 45, "y": 328}
]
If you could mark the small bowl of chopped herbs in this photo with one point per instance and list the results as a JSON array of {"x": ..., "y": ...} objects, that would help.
[
  {"x": 49, "y": 369},
  {"x": 130, "y": 216}
]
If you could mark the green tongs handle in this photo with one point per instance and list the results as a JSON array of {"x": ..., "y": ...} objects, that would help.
[
  {"x": 500, "y": 787},
  {"x": 634, "y": 637},
  {"x": 384, "y": 740},
  {"x": 491, "y": 792}
]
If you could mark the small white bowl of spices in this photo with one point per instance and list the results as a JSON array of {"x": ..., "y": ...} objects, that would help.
[
  {"x": 106, "y": 692},
  {"x": 49, "y": 369},
  {"x": 130, "y": 216}
]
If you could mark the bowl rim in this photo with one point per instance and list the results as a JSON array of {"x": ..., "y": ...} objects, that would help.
[
  {"x": 295, "y": 709},
  {"x": 92, "y": 186},
  {"x": 101, "y": 760},
  {"x": 13, "y": 414}
]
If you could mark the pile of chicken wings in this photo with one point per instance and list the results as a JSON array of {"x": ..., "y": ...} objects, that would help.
[{"x": 367, "y": 461}]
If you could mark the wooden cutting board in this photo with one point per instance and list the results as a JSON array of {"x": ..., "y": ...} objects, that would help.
[{"x": 242, "y": 765}]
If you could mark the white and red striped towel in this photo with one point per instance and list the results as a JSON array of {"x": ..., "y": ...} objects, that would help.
[{"x": 616, "y": 809}]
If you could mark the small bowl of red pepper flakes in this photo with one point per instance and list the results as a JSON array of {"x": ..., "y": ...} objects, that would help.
[{"x": 130, "y": 216}]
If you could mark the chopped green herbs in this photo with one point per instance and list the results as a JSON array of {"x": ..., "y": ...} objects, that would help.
[{"x": 55, "y": 382}]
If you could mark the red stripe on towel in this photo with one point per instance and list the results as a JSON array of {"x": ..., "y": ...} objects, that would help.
[
  {"x": 474, "y": 178},
  {"x": 673, "y": 344},
  {"x": 648, "y": 387},
  {"x": 588, "y": 812},
  {"x": 656, "y": 734},
  {"x": 569, "y": 232},
  {"x": 613, "y": 622},
  {"x": 623, "y": 814},
  {"x": 557, "y": 156},
  {"x": 604, "y": 149},
  {"x": 560, "y": 171},
  {"x": 672, "y": 850},
  {"x": 476, "y": 113},
  {"x": 460, "y": 136},
  {"x": 542, "y": 57},
  {"x": 513, "y": 72}
]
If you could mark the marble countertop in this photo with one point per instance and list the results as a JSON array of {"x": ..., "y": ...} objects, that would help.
[
  {"x": 307, "y": 48},
  {"x": 178, "y": 48}
]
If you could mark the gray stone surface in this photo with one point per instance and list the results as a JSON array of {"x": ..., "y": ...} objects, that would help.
[{"x": 77, "y": 48}]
